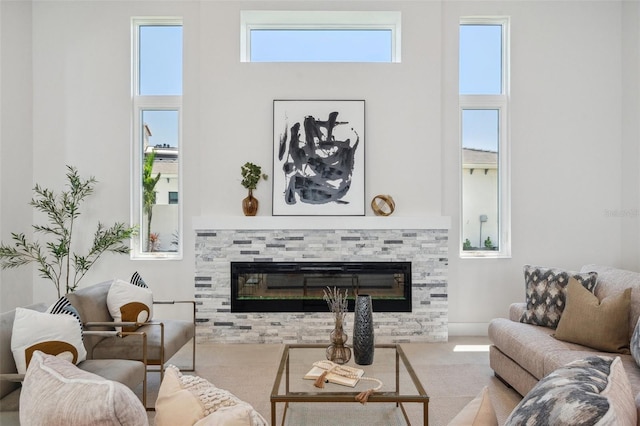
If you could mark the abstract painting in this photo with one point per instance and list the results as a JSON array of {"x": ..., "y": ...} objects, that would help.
[{"x": 318, "y": 158}]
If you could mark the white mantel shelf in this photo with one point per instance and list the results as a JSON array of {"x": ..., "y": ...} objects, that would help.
[{"x": 320, "y": 222}]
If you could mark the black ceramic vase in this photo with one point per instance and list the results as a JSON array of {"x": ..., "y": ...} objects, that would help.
[{"x": 363, "y": 345}]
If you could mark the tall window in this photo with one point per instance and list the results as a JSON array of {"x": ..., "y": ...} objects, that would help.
[
  {"x": 319, "y": 36},
  {"x": 157, "y": 117},
  {"x": 483, "y": 86}
]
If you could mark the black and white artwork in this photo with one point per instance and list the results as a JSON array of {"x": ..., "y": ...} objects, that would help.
[{"x": 318, "y": 158}]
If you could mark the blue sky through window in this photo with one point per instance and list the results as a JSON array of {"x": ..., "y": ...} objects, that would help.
[
  {"x": 480, "y": 59},
  {"x": 164, "y": 125},
  {"x": 323, "y": 45},
  {"x": 480, "y": 73},
  {"x": 161, "y": 74},
  {"x": 160, "y": 60},
  {"x": 480, "y": 129}
]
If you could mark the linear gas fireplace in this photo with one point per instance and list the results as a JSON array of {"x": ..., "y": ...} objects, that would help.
[{"x": 298, "y": 286}]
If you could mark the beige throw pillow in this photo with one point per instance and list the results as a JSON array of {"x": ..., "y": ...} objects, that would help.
[
  {"x": 602, "y": 325},
  {"x": 57, "y": 393},
  {"x": 192, "y": 400},
  {"x": 478, "y": 412}
]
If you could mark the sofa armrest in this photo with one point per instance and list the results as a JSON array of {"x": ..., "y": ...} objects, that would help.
[
  {"x": 111, "y": 324},
  {"x": 171, "y": 302},
  {"x": 12, "y": 377},
  {"x": 516, "y": 310},
  {"x": 177, "y": 302}
]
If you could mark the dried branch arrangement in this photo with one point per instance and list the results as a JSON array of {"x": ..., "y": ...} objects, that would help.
[{"x": 337, "y": 302}]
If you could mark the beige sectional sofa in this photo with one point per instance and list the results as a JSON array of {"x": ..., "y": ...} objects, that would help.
[{"x": 522, "y": 354}]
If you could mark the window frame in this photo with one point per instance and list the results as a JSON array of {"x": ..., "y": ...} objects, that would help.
[
  {"x": 499, "y": 102},
  {"x": 320, "y": 20},
  {"x": 177, "y": 199},
  {"x": 142, "y": 103}
]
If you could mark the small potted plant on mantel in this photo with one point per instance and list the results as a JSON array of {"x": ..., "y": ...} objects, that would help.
[{"x": 251, "y": 175}]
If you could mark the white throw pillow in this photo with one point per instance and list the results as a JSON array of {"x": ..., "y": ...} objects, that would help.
[
  {"x": 55, "y": 334},
  {"x": 129, "y": 303},
  {"x": 192, "y": 400},
  {"x": 57, "y": 393}
]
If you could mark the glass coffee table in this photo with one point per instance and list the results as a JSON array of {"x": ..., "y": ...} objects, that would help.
[{"x": 390, "y": 365}]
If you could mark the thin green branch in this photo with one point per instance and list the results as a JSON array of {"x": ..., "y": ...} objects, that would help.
[{"x": 54, "y": 260}]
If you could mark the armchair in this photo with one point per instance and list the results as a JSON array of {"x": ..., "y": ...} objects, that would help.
[
  {"x": 128, "y": 372},
  {"x": 165, "y": 337}
]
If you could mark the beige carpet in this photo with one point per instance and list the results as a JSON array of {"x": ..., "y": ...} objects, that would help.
[
  {"x": 451, "y": 373},
  {"x": 310, "y": 414}
]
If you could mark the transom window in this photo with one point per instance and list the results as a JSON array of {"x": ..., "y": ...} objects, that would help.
[
  {"x": 483, "y": 92},
  {"x": 320, "y": 36},
  {"x": 157, "y": 118}
]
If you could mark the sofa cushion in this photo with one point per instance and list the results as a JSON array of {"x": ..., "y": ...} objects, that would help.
[
  {"x": 10, "y": 402},
  {"x": 515, "y": 340},
  {"x": 176, "y": 334},
  {"x": 129, "y": 303},
  {"x": 91, "y": 302},
  {"x": 56, "y": 392},
  {"x": 478, "y": 412},
  {"x": 594, "y": 390},
  {"x": 56, "y": 334},
  {"x": 129, "y": 373},
  {"x": 192, "y": 400},
  {"x": 601, "y": 325},
  {"x": 546, "y": 293}
]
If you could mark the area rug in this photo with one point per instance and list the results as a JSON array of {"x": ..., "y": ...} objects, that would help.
[
  {"x": 451, "y": 378},
  {"x": 344, "y": 414}
]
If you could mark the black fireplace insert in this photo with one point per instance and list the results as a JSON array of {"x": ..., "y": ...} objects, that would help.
[{"x": 298, "y": 286}]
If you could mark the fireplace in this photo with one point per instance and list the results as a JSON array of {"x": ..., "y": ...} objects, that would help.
[
  {"x": 298, "y": 286},
  {"x": 423, "y": 242}
]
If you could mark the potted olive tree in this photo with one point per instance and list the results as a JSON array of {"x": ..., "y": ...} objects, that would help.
[{"x": 55, "y": 259}]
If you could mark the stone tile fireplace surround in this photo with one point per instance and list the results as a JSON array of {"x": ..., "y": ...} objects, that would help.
[{"x": 422, "y": 241}]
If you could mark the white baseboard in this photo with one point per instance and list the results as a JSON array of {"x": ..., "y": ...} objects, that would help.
[{"x": 468, "y": 328}]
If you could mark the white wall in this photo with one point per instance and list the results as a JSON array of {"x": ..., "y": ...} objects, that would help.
[
  {"x": 568, "y": 139},
  {"x": 16, "y": 149},
  {"x": 630, "y": 82},
  {"x": 566, "y": 148}
]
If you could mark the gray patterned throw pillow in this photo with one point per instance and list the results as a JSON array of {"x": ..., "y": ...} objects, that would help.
[
  {"x": 546, "y": 293},
  {"x": 590, "y": 391}
]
